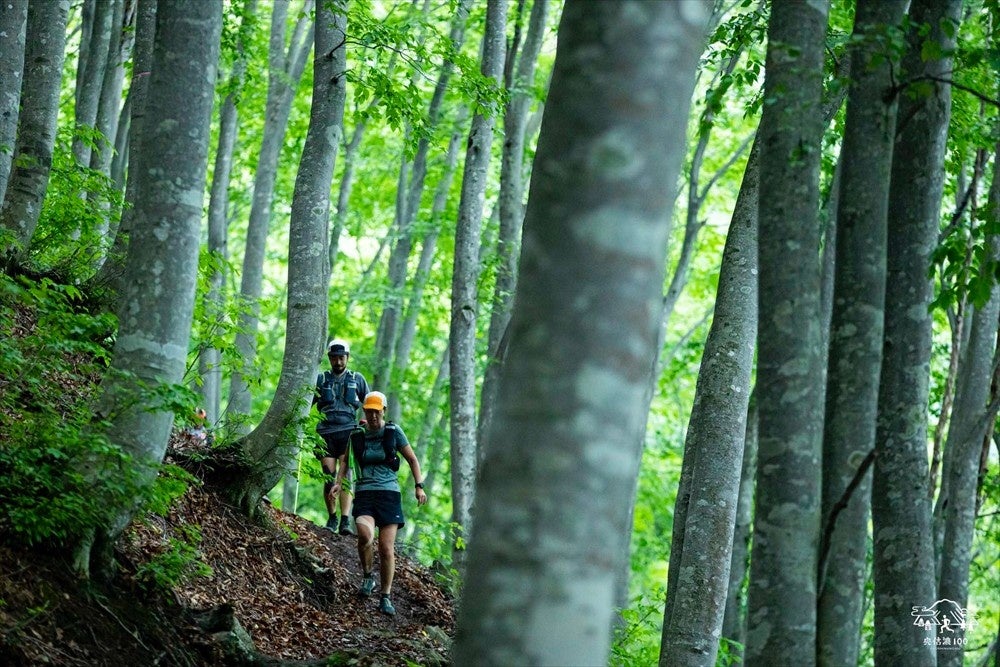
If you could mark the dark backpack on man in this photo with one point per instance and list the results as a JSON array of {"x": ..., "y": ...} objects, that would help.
[{"x": 338, "y": 401}]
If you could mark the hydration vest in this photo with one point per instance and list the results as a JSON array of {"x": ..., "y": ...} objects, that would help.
[
  {"x": 358, "y": 438},
  {"x": 338, "y": 397}
]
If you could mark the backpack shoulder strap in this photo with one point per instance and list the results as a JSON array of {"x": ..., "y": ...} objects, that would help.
[
  {"x": 358, "y": 445},
  {"x": 389, "y": 445}
]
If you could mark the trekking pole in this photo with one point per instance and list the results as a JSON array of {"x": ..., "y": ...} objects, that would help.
[{"x": 298, "y": 479}]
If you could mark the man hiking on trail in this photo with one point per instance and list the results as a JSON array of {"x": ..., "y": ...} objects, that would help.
[
  {"x": 339, "y": 394},
  {"x": 375, "y": 452}
]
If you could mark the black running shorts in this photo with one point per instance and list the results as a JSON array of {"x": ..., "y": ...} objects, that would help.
[
  {"x": 336, "y": 444},
  {"x": 386, "y": 507}
]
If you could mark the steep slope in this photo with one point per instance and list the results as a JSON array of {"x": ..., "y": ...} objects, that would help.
[{"x": 291, "y": 586}]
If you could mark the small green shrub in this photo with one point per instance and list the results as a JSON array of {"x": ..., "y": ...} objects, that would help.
[
  {"x": 637, "y": 638},
  {"x": 179, "y": 562}
]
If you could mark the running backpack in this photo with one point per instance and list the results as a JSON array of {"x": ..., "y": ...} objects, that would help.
[
  {"x": 388, "y": 446},
  {"x": 338, "y": 400}
]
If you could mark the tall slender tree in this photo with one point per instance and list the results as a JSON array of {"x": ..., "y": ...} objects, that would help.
[
  {"x": 109, "y": 103},
  {"x": 553, "y": 502},
  {"x": 45, "y": 43},
  {"x": 210, "y": 358},
  {"x": 734, "y": 619},
  {"x": 284, "y": 69},
  {"x": 92, "y": 60},
  {"x": 412, "y": 177},
  {"x": 13, "y": 19},
  {"x": 520, "y": 83},
  {"x": 428, "y": 248},
  {"x": 109, "y": 276},
  {"x": 970, "y": 424},
  {"x": 855, "y": 338},
  {"x": 781, "y": 602},
  {"x": 465, "y": 276},
  {"x": 705, "y": 513},
  {"x": 271, "y": 444},
  {"x": 903, "y": 566},
  {"x": 158, "y": 301}
]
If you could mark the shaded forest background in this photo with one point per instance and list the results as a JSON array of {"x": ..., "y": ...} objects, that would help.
[{"x": 380, "y": 194}]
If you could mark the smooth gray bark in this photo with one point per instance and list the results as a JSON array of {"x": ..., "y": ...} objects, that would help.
[
  {"x": 87, "y": 11},
  {"x": 161, "y": 270},
  {"x": 110, "y": 101},
  {"x": 210, "y": 359},
  {"x": 734, "y": 620},
  {"x": 971, "y": 422},
  {"x": 781, "y": 601},
  {"x": 465, "y": 282},
  {"x": 13, "y": 20},
  {"x": 271, "y": 445},
  {"x": 855, "y": 333},
  {"x": 111, "y": 273},
  {"x": 510, "y": 203},
  {"x": 553, "y": 503},
  {"x": 284, "y": 71},
  {"x": 705, "y": 516},
  {"x": 119, "y": 159},
  {"x": 960, "y": 316},
  {"x": 45, "y": 39},
  {"x": 903, "y": 567},
  {"x": 91, "y": 63},
  {"x": 109, "y": 106}
]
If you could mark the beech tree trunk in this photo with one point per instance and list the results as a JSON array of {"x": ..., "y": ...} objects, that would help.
[
  {"x": 734, "y": 620},
  {"x": 109, "y": 277},
  {"x": 218, "y": 221},
  {"x": 110, "y": 103},
  {"x": 45, "y": 40},
  {"x": 91, "y": 63},
  {"x": 705, "y": 514},
  {"x": 855, "y": 333},
  {"x": 412, "y": 177},
  {"x": 971, "y": 422},
  {"x": 158, "y": 300},
  {"x": 271, "y": 445},
  {"x": 284, "y": 72},
  {"x": 553, "y": 501},
  {"x": 903, "y": 568},
  {"x": 511, "y": 198},
  {"x": 465, "y": 282},
  {"x": 424, "y": 264},
  {"x": 13, "y": 19},
  {"x": 781, "y": 603}
]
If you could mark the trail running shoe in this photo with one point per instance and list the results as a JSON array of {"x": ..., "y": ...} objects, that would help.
[
  {"x": 331, "y": 523},
  {"x": 385, "y": 606},
  {"x": 345, "y": 526},
  {"x": 368, "y": 585}
]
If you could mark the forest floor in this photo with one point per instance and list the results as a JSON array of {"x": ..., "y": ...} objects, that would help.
[{"x": 292, "y": 585}]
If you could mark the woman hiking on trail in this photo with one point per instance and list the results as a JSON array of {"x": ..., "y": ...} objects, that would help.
[{"x": 374, "y": 453}]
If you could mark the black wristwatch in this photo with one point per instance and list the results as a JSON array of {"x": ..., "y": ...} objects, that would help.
[{"x": 419, "y": 485}]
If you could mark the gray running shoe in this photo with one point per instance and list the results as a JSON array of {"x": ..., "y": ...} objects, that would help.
[
  {"x": 385, "y": 606},
  {"x": 368, "y": 585}
]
